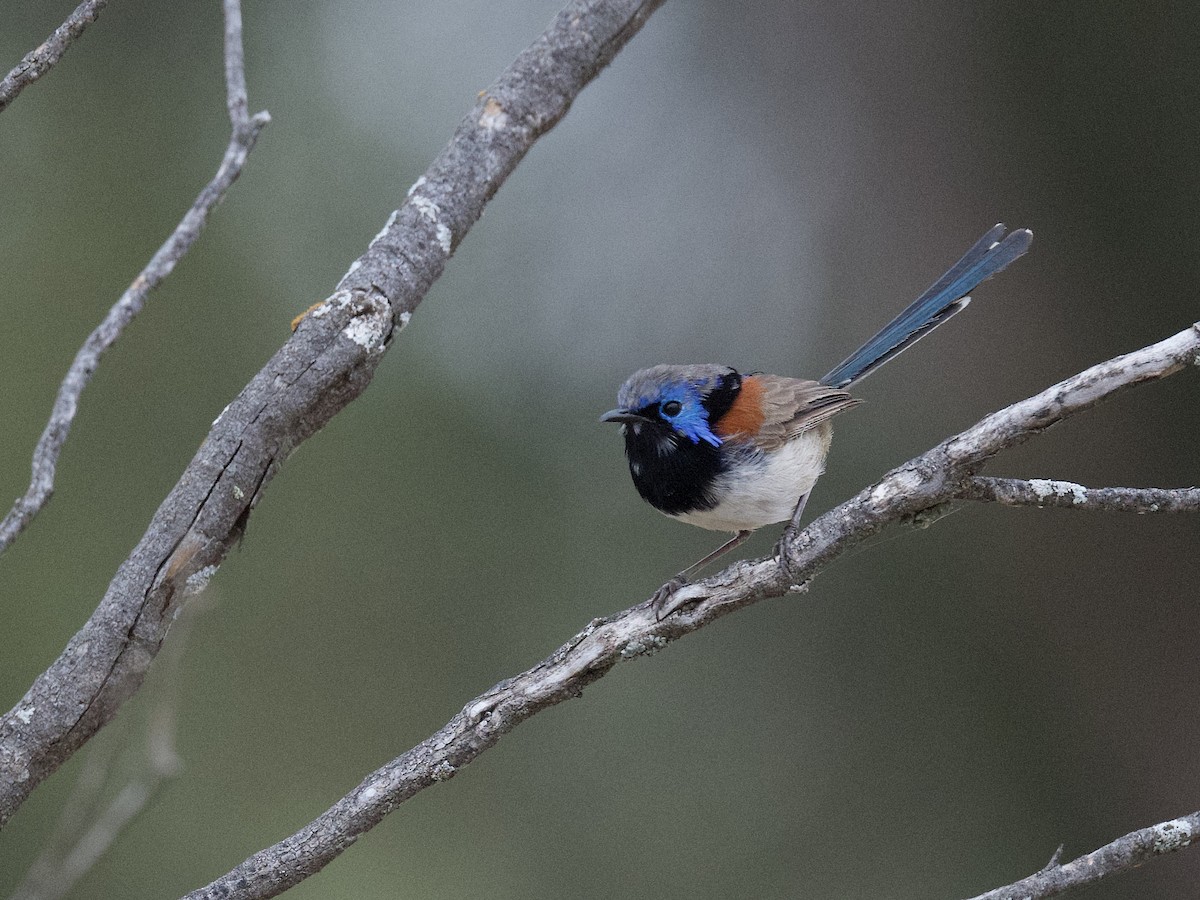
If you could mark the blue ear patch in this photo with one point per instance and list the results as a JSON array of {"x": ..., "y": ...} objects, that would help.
[{"x": 692, "y": 420}]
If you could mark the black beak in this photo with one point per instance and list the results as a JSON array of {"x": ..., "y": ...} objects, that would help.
[{"x": 624, "y": 416}]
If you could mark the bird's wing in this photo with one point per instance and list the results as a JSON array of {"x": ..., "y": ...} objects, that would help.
[{"x": 794, "y": 405}]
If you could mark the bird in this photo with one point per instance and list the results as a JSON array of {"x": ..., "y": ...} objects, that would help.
[{"x": 727, "y": 451}]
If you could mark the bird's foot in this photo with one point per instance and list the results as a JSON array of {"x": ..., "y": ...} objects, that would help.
[
  {"x": 662, "y": 603},
  {"x": 782, "y": 556},
  {"x": 782, "y": 551}
]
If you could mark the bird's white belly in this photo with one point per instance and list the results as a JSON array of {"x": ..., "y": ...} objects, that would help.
[{"x": 764, "y": 487}]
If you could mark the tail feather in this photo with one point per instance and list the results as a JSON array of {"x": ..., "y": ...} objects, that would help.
[{"x": 945, "y": 297}]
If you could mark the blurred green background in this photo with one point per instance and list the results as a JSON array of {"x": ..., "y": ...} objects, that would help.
[{"x": 761, "y": 184}]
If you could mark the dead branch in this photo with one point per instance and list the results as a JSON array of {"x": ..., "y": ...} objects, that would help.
[
  {"x": 245, "y": 131},
  {"x": 932, "y": 479},
  {"x": 326, "y": 363},
  {"x": 40, "y": 60}
]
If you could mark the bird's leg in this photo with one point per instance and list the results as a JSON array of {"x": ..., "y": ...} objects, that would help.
[
  {"x": 738, "y": 538},
  {"x": 785, "y": 540},
  {"x": 660, "y": 601}
]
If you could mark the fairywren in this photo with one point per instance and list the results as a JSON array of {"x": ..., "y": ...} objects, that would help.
[{"x": 712, "y": 447}]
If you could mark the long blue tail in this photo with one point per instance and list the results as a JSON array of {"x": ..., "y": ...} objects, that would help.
[{"x": 943, "y": 299}]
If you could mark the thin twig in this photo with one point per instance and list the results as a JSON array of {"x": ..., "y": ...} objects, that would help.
[
  {"x": 1121, "y": 855},
  {"x": 1044, "y": 492},
  {"x": 324, "y": 365},
  {"x": 245, "y": 133},
  {"x": 328, "y": 362},
  {"x": 41, "y": 59},
  {"x": 932, "y": 478},
  {"x": 235, "y": 68}
]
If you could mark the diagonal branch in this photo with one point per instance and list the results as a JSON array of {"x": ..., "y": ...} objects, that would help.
[
  {"x": 245, "y": 131},
  {"x": 324, "y": 365},
  {"x": 1043, "y": 492},
  {"x": 41, "y": 59},
  {"x": 1121, "y": 855},
  {"x": 933, "y": 478}
]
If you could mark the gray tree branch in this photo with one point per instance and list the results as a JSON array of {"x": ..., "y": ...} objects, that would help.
[
  {"x": 245, "y": 131},
  {"x": 40, "y": 60},
  {"x": 326, "y": 363},
  {"x": 929, "y": 481},
  {"x": 1044, "y": 492},
  {"x": 1121, "y": 855},
  {"x": 331, "y": 358}
]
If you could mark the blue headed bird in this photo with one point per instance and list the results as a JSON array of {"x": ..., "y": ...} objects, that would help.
[{"x": 713, "y": 447}]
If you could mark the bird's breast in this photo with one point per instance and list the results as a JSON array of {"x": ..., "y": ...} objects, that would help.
[{"x": 755, "y": 487}]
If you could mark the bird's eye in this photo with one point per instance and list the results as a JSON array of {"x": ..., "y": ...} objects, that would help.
[{"x": 672, "y": 408}]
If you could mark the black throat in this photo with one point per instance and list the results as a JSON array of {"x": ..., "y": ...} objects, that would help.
[{"x": 671, "y": 472}]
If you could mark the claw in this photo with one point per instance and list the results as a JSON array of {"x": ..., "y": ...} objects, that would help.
[
  {"x": 789, "y": 534},
  {"x": 675, "y": 595},
  {"x": 781, "y": 554},
  {"x": 661, "y": 601}
]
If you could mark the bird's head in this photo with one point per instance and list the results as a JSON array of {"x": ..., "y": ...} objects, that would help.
[{"x": 668, "y": 405}]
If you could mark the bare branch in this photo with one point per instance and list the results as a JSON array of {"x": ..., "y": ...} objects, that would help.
[
  {"x": 1121, "y": 855},
  {"x": 932, "y": 478},
  {"x": 1043, "y": 492},
  {"x": 245, "y": 133},
  {"x": 40, "y": 60},
  {"x": 235, "y": 67},
  {"x": 326, "y": 363}
]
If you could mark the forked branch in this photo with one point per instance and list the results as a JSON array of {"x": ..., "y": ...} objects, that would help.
[
  {"x": 326, "y": 364},
  {"x": 244, "y": 134},
  {"x": 941, "y": 475},
  {"x": 330, "y": 360}
]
